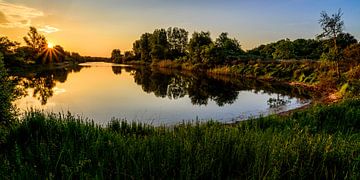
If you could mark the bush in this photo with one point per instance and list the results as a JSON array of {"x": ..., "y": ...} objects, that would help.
[{"x": 6, "y": 95}]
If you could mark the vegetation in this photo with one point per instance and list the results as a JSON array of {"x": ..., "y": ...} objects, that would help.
[
  {"x": 6, "y": 96},
  {"x": 321, "y": 142},
  {"x": 201, "y": 52},
  {"x": 37, "y": 52}
]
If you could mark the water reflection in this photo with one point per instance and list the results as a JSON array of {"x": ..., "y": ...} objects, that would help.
[
  {"x": 102, "y": 91},
  {"x": 204, "y": 87},
  {"x": 42, "y": 81}
]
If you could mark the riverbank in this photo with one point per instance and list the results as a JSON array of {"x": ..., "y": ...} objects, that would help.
[
  {"x": 319, "y": 142},
  {"x": 317, "y": 76}
]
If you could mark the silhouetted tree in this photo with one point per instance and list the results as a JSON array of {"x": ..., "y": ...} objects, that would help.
[
  {"x": 116, "y": 56},
  {"x": 35, "y": 41},
  {"x": 129, "y": 56},
  {"x": 6, "y": 95},
  {"x": 8, "y": 50}
]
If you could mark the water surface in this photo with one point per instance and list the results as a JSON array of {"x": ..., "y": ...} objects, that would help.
[{"x": 101, "y": 91}]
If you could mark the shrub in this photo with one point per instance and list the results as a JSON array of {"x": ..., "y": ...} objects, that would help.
[{"x": 6, "y": 95}]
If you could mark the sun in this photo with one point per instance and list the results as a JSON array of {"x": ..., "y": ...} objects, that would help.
[{"x": 50, "y": 45}]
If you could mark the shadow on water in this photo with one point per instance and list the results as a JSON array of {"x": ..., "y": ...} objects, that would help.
[
  {"x": 165, "y": 83},
  {"x": 202, "y": 87},
  {"x": 41, "y": 80}
]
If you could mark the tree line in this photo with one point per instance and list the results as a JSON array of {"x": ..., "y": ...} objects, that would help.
[
  {"x": 173, "y": 44},
  {"x": 36, "y": 51}
]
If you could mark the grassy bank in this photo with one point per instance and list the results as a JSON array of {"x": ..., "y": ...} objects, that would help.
[{"x": 320, "y": 142}]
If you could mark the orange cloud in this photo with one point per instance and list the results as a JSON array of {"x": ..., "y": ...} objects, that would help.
[
  {"x": 48, "y": 29},
  {"x": 13, "y": 16}
]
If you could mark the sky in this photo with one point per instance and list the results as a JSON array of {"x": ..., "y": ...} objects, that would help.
[{"x": 95, "y": 27}]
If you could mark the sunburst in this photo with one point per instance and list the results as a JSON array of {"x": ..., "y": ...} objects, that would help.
[{"x": 50, "y": 53}]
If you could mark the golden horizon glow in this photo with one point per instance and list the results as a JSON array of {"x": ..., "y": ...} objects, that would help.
[{"x": 50, "y": 45}]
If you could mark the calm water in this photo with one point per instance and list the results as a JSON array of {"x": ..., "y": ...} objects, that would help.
[{"x": 101, "y": 91}]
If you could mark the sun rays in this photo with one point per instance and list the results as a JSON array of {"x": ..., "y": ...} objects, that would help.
[{"x": 51, "y": 53}]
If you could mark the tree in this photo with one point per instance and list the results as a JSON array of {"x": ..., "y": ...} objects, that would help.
[
  {"x": 145, "y": 47},
  {"x": 8, "y": 49},
  {"x": 178, "y": 40},
  {"x": 332, "y": 27},
  {"x": 284, "y": 49},
  {"x": 197, "y": 43},
  {"x": 116, "y": 56},
  {"x": 159, "y": 45},
  {"x": 344, "y": 40},
  {"x": 7, "y": 46},
  {"x": 59, "y": 53},
  {"x": 137, "y": 50},
  {"x": 129, "y": 56},
  {"x": 6, "y": 95},
  {"x": 36, "y": 41},
  {"x": 228, "y": 49},
  {"x": 352, "y": 53}
]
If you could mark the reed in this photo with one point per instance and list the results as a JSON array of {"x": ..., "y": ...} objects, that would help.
[{"x": 320, "y": 142}]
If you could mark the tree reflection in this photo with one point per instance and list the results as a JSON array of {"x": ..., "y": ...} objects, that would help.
[
  {"x": 42, "y": 82},
  {"x": 116, "y": 70},
  {"x": 203, "y": 87}
]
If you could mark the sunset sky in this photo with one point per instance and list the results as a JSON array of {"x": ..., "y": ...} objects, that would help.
[{"x": 95, "y": 27}]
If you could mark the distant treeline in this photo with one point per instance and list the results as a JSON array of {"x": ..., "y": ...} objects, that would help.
[
  {"x": 173, "y": 44},
  {"x": 37, "y": 51}
]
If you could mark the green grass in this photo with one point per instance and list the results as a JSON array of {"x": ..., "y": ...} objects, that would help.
[{"x": 322, "y": 142}]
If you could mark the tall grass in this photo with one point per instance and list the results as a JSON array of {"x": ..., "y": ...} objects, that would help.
[{"x": 322, "y": 142}]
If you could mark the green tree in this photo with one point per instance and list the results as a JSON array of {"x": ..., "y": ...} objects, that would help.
[
  {"x": 178, "y": 40},
  {"x": 116, "y": 56},
  {"x": 344, "y": 40},
  {"x": 137, "y": 50},
  {"x": 284, "y": 49},
  {"x": 307, "y": 49},
  {"x": 228, "y": 49},
  {"x": 332, "y": 27},
  {"x": 159, "y": 45},
  {"x": 197, "y": 44},
  {"x": 352, "y": 53},
  {"x": 145, "y": 47},
  {"x": 36, "y": 41}
]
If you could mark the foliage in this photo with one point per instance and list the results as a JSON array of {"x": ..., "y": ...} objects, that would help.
[
  {"x": 116, "y": 56},
  {"x": 332, "y": 28},
  {"x": 284, "y": 49},
  {"x": 321, "y": 142},
  {"x": 198, "y": 45},
  {"x": 37, "y": 42},
  {"x": 352, "y": 53},
  {"x": 6, "y": 96},
  {"x": 178, "y": 40}
]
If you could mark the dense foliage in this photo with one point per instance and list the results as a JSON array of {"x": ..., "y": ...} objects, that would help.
[
  {"x": 6, "y": 96},
  {"x": 319, "y": 143}
]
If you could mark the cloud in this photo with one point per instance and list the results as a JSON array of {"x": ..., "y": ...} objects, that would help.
[
  {"x": 12, "y": 15},
  {"x": 48, "y": 29}
]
